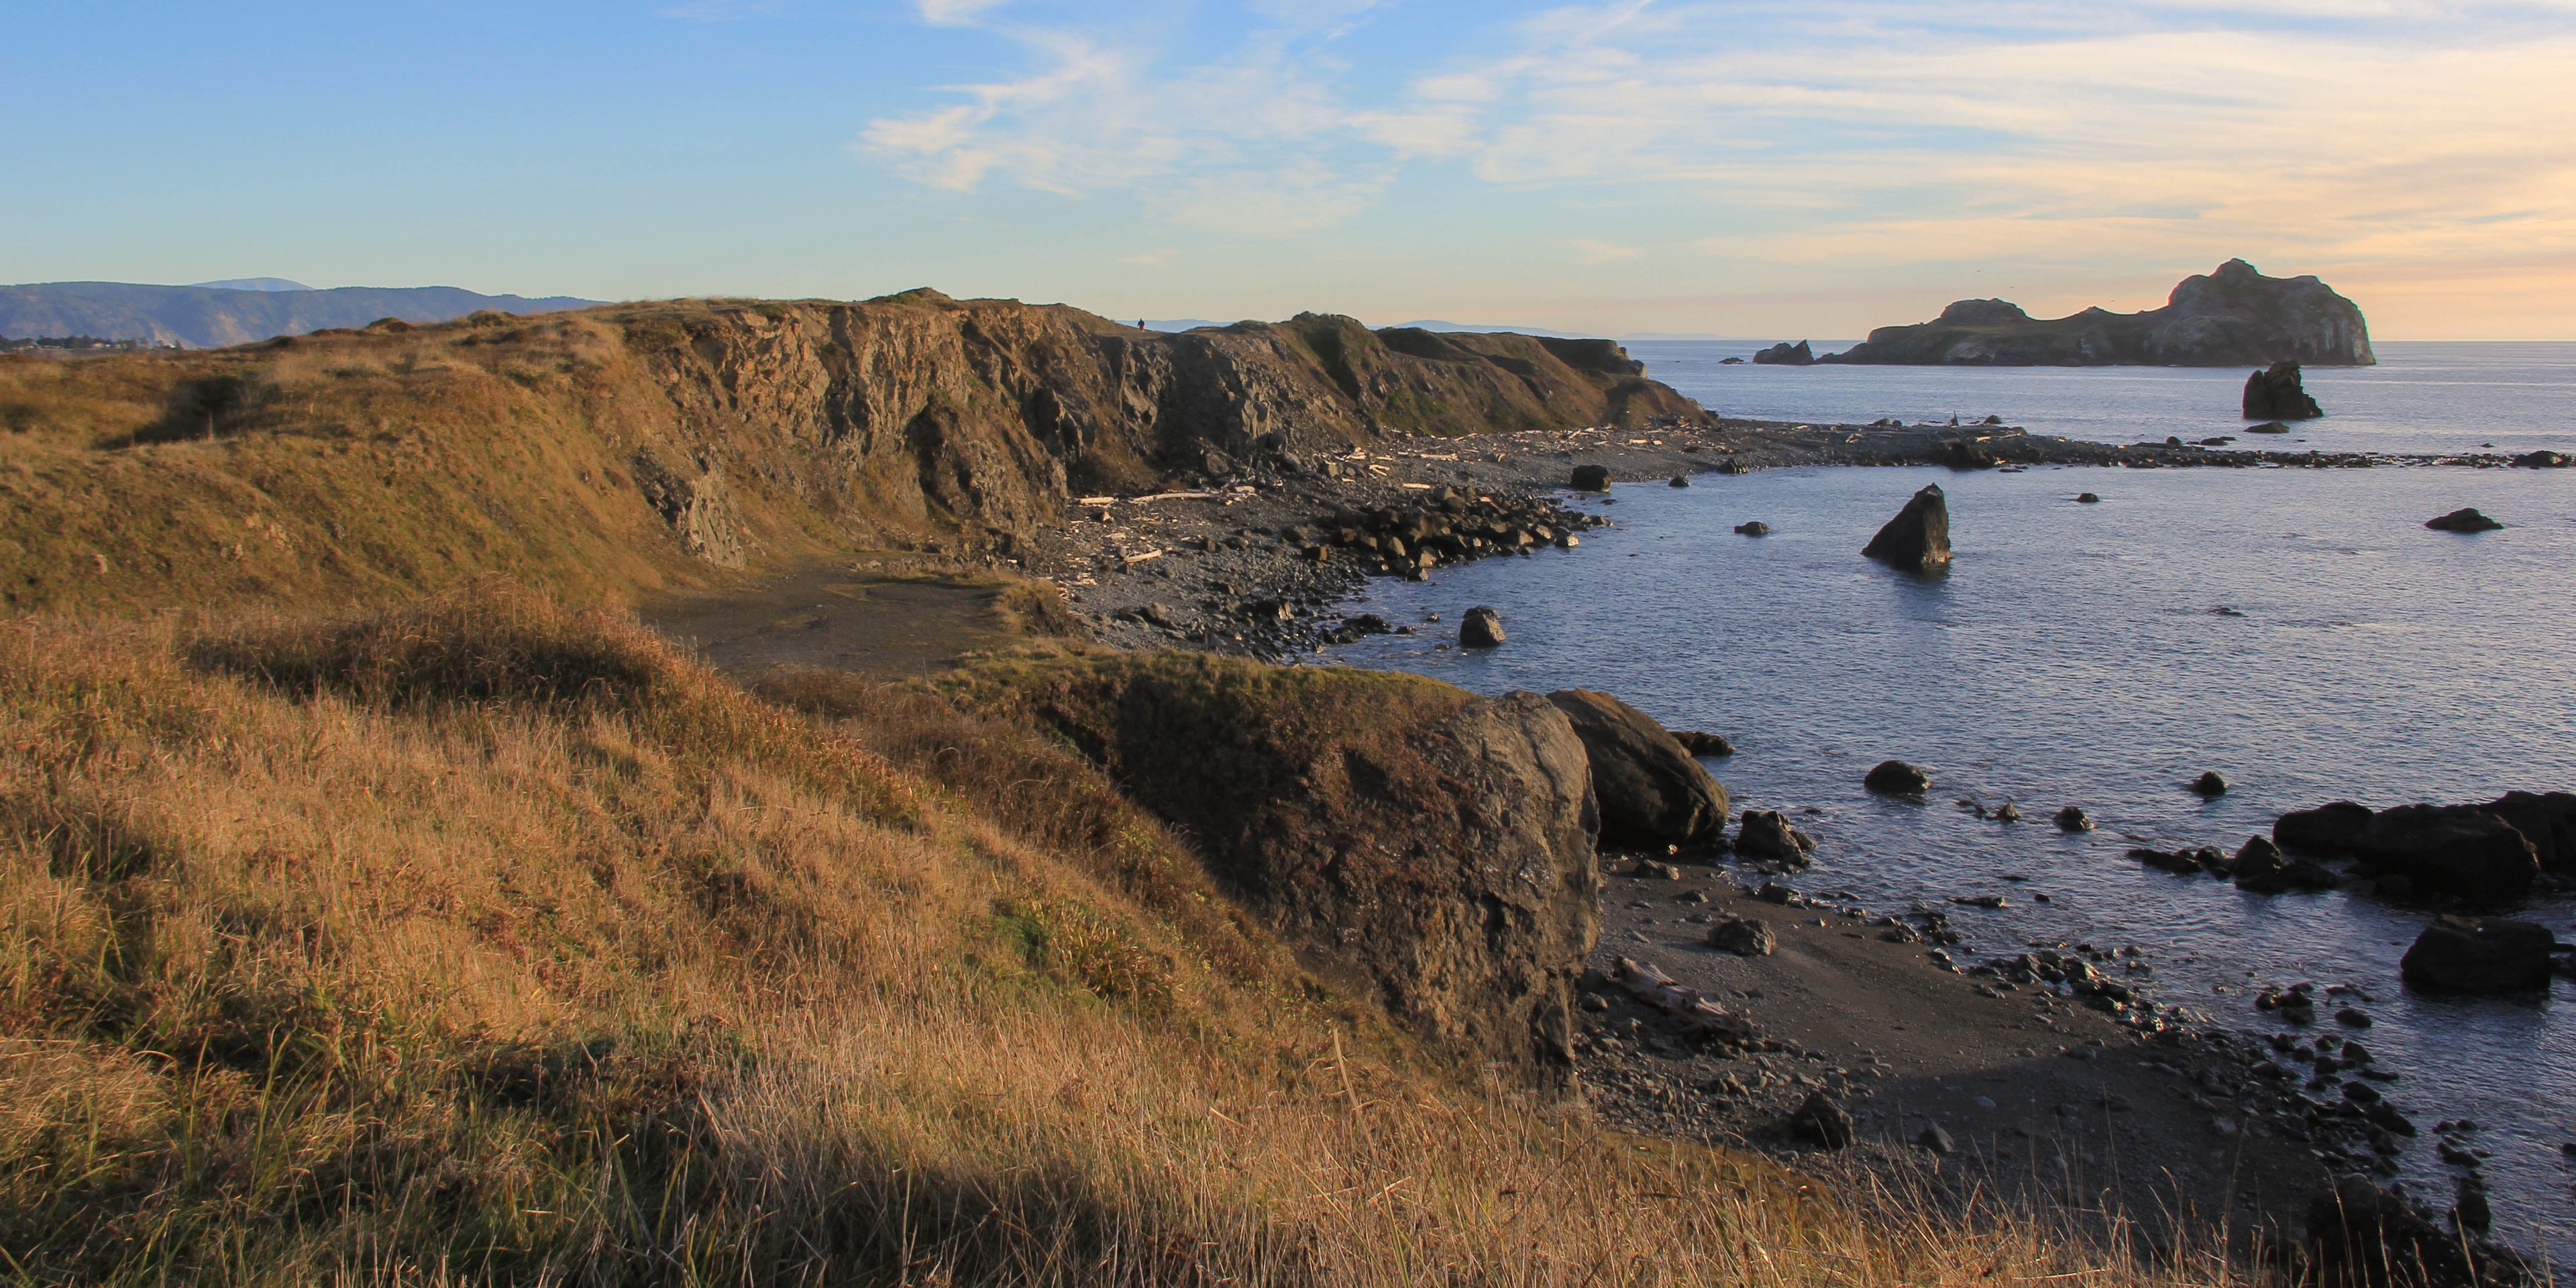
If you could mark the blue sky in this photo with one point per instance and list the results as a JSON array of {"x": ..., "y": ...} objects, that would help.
[{"x": 1739, "y": 168}]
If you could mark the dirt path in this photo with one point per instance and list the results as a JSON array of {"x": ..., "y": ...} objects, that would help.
[{"x": 878, "y": 623}]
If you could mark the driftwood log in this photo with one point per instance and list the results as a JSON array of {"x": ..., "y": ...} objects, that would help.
[{"x": 1699, "y": 1016}]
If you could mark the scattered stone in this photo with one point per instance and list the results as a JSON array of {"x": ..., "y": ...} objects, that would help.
[
  {"x": 1937, "y": 1141},
  {"x": 2352, "y": 1019},
  {"x": 2480, "y": 955},
  {"x": 1766, "y": 835},
  {"x": 1481, "y": 628},
  {"x": 2008, "y": 813},
  {"x": 1591, "y": 478},
  {"x": 1754, "y": 528},
  {"x": 1896, "y": 778},
  {"x": 2465, "y": 519},
  {"x": 2073, "y": 819},
  {"x": 2209, "y": 784},
  {"x": 1744, "y": 937},
  {"x": 2275, "y": 393},
  {"x": 1918, "y": 538},
  {"x": 1822, "y": 1121}
]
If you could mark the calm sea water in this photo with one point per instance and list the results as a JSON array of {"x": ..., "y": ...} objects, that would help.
[
  {"x": 2299, "y": 631},
  {"x": 2422, "y": 397}
]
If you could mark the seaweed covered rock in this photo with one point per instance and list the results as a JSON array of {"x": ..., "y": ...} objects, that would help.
[{"x": 1651, "y": 792}]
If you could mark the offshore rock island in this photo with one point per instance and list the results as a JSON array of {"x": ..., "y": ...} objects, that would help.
[{"x": 2234, "y": 316}]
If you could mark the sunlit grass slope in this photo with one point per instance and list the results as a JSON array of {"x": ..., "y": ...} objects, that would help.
[{"x": 482, "y": 941}]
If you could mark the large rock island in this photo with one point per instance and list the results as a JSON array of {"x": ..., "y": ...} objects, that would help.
[{"x": 2229, "y": 318}]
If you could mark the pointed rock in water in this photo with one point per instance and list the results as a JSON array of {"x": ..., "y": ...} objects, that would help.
[
  {"x": 1918, "y": 538},
  {"x": 2210, "y": 784},
  {"x": 2463, "y": 520},
  {"x": 1785, "y": 354},
  {"x": 2275, "y": 393}
]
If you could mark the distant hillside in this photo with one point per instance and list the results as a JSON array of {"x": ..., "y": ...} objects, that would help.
[
  {"x": 2232, "y": 317},
  {"x": 210, "y": 317}
]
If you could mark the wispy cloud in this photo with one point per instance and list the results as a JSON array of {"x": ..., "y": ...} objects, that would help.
[{"x": 1877, "y": 132}]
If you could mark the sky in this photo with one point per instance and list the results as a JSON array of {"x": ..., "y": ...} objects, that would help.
[{"x": 1737, "y": 168}]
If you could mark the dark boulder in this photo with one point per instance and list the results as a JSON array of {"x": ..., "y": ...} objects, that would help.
[
  {"x": 1767, "y": 836},
  {"x": 1918, "y": 538},
  {"x": 2268, "y": 427},
  {"x": 2088, "y": 498},
  {"x": 2542, "y": 460},
  {"x": 1785, "y": 354},
  {"x": 1754, "y": 528},
  {"x": 2210, "y": 783},
  {"x": 1744, "y": 937},
  {"x": 2073, "y": 819},
  {"x": 1703, "y": 744},
  {"x": 1679, "y": 480},
  {"x": 2480, "y": 955},
  {"x": 1591, "y": 478},
  {"x": 2261, "y": 868},
  {"x": 2465, "y": 519},
  {"x": 1481, "y": 628},
  {"x": 2275, "y": 393},
  {"x": 2327, "y": 829},
  {"x": 1822, "y": 1121},
  {"x": 1896, "y": 778},
  {"x": 2451, "y": 850},
  {"x": 1651, "y": 792},
  {"x": 2548, "y": 822}
]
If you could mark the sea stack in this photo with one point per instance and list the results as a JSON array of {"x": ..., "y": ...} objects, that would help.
[
  {"x": 2275, "y": 393},
  {"x": 1918, "y": 538}
]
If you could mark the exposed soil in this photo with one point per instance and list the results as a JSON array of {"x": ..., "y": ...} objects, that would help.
[{"x": 905, "y": 620}]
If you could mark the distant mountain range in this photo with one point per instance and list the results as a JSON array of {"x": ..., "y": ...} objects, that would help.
[{"x": 214, "y": 314}]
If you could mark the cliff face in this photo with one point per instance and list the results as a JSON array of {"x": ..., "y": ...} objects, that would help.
[
  {"x": 609, "y": 452},
  {"x": 1419, "y": 846},
  {"x": 2234, "y": 316}
]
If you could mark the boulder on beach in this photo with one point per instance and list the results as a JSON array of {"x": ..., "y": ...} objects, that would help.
[
  {"x": 2480, "y": 955},
  {"x": 2327, "y": 829},
  {"x": 1481, "y": 628},
  {"x": 2465, "y": 519},
  {"x": 1703, "y": 744},
  {"x": 2459, "y": 851},
  {"x": 1754, "y": 528},
  {"x": 1918, "y": 538},
  {"x": 2275, "y": 393},
  {"x": 1822, "y": 1121},
  {"x": 1896, "y": 778},
  {"x": 1591, "y": 478},
  {"x": 1767, "y": 837},
  {"x": 1744, "y": 937},
  {"x": 1651, "y": 792}
]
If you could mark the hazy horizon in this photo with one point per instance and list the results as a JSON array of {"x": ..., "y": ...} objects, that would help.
[{"x": 1729, "y": 169}]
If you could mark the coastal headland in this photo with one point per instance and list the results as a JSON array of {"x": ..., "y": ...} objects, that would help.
[{"x": 641, "y": 909}]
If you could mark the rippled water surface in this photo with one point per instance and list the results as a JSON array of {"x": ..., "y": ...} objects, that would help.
[
  {"x": 2422, "y": 397},
  {"x": 2299, "y": 631}
]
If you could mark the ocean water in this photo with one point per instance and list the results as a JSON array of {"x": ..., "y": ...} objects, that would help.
[
  {"x": 2298, "y": 631},
  {"x": 2422, "y": 397}
]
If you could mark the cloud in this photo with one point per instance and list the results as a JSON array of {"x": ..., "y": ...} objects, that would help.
[
  {"x": 1876, "y": 133},
  {"x": 1158, "y": 255}
]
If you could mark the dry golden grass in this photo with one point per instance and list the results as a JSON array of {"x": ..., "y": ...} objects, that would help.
[{"x": 483, "y": 942}]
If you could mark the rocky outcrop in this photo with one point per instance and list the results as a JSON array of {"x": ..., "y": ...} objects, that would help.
[
  {"x": 2466, "y": 519},
  {"x": 1418, "y": 845},
  {"x": 1651, "y": 792},
  {"x": 2234, "y": 316},
  {"x": 1785, "y": 354},
  {"x": 2547, "y": 821},
  {"x": 1481, "y": 628},
  {"x": 2457, "y": 851},
  {"x": 2276, "y": 393},
  {"x": 1918, "y": 538},
  {"x": 2327, "y": 829},
  {"x": 2481, "y": 955}
]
